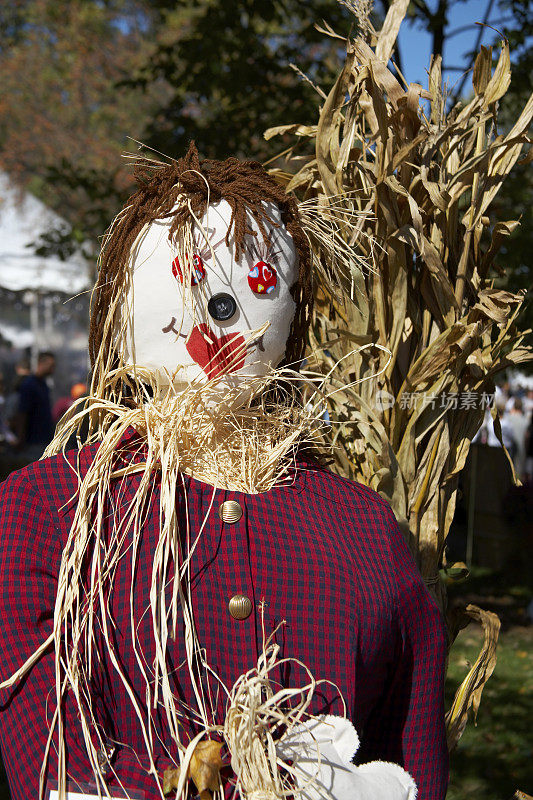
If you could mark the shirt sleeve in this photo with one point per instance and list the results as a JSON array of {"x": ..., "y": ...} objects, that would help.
[
  {"x": 30, "y": 553},
  {"x": 407, "y": 726},
  {"x": 30, "y": 556}
]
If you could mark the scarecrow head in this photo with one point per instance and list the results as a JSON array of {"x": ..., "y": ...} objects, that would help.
[{"x": 204, "y": 277}]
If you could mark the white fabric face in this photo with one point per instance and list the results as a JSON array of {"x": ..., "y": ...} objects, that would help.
[{"x": 175, "y": 329}]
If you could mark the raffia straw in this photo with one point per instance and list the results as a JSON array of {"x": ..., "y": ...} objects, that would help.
[
  {"x": 331, "y": 226},
  {"x": 257, "y": 715},
  {"x": 247, "y": 449},
  {"x": 182, "y": 433}
]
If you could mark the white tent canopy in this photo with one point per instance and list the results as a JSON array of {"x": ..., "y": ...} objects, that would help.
[{"x": 22, "y": 220}]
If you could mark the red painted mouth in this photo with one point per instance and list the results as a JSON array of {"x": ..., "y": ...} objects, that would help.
[{"x": 216, "y": 356}]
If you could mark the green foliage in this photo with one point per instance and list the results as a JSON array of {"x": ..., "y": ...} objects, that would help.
[
  {"x": 81, "y": 76},
  {"x": 63, "y": 119},
  {"x": 228, "y": 70}
]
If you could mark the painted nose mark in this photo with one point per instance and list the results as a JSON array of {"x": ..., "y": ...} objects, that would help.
[
  {"x": 258, "y": 343},
  {"x": 171, "y": 328}
]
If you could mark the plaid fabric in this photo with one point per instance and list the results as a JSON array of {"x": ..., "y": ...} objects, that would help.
[{"x": 326, "y": 555}]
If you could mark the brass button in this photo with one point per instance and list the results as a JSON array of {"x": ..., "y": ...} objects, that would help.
[
  {"x": 230, "y": 511},
  {"x": 240, "y": 606}
]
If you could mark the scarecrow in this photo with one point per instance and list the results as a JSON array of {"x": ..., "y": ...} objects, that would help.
[{"x": 192, "y": 604}]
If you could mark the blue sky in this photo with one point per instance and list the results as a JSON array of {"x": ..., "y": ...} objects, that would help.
[{"x": 415, "y": 44}]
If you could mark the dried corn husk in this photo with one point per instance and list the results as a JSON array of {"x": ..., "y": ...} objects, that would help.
[{"x": 423, "y": 176}]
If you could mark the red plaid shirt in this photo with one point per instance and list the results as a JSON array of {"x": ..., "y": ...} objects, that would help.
[{"x": 325, "y": 554}]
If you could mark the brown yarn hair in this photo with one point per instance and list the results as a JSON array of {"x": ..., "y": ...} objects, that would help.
[{"x": 244, "y": 185}]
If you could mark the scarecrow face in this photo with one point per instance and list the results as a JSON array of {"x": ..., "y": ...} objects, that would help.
[{"x": 212, "y": 316}]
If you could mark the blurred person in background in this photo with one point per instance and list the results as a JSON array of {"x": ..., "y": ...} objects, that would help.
[
  {"x": 529, "y": 451},
  {"x": 519, "y": 423},
  {"x": 503, "y": 392},
  {"x": 7, "y": 437},
  {"x": 487, "y": 435},
  {"x": 528, "y": 403},
  {"x": 33, "y": 423},
  {"x": 22, "y": 370},
  {"x": 62, "y": 405}
]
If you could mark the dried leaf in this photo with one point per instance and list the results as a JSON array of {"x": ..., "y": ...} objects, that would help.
[
  {"x": 482, "y": 70},
  {"x": 204, "y": 769},
  {"x": 171, "y": 777},
  {"x": 469, "y": 693},
  {"x": 503, "y": 160},
  {"x": 327, "y": 140},
  {"x": 302, "y": 178},
  {"x": 205, "y": 765},
  {"x": 297, "y": 130},
  {"x": 383, "y": 76},
  {"x": 495, "y": 303},
  {"x": 435, "y": 90},
  {"x": 500, "y": 232},
  {"x": 352, "y": 337},
  {"x": 379, "y": 107},
  {"x": 501, "y": 80},
  {"x": 391, "y": 26},
  {"x": 438, "y": 198}
]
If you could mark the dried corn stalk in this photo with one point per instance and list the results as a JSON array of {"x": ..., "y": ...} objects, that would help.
[{"x": 422, "y": 179}]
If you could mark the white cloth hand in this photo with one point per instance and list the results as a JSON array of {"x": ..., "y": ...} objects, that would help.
[{"x": 335, "y": 777}]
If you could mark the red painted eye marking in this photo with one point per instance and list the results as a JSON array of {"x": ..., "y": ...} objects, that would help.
[
  {"x": 197, "y": 271},
  {"x": 262, "y": 278}
]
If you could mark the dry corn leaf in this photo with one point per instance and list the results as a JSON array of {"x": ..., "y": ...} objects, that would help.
[
  {"x": 482, "y": 70},
  {"x": 391, "y": 26},
  {"x": 500, "y": 232},
  {"x": 429, "y": 185},
  {"x": 469, "y": 693},
  {"x": 501, "y": 79},
  {"x": 297, "y": 130},
  {"x": 327, "y": 138},
  {"x": 495, "y": 303},
  {"x": 383, "y": 76}
]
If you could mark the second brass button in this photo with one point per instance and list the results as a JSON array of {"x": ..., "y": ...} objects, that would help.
[
  {"x": 240, "y": 606},
  {"x": 230, "y": 511}
]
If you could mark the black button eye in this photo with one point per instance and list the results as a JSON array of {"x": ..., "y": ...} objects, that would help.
[{"x": 222, "y": 306}]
